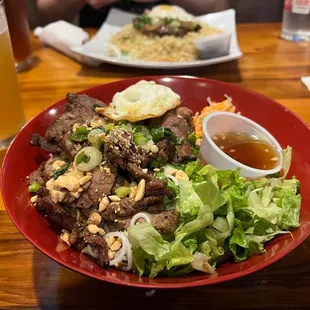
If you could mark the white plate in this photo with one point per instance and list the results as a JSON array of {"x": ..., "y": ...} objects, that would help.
[{"x": 94, "y": 48}]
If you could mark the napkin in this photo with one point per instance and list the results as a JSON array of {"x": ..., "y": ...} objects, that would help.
[
  {"x": 213, "y": 46},
  {"x": 64, "y": 36},
  {"x": 306, "y": 81}
]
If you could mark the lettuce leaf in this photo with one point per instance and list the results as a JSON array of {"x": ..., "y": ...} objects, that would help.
[
  {"x": 180, "y": 255},
  {"x": 148, "y": 247},
  {"x": 209, "y": 194},
  {"x": 189, "y": 202},
  {"x": 291, "y": 209},
  {"x": 221, "y": 216},
  {"x": 204, "y": 219}
]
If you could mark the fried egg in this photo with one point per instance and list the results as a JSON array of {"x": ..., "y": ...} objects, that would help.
[
  {"x": 141, "y": 101},
  {"x": 170, "y": 11}
]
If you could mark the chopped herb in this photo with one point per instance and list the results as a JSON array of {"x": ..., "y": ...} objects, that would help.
[
  {"x": 192, "y": 142},
  {"x": 145, "y": 19},
  {"x": 34, "y": 187},
  {"x": 95, "y": 106},
  {"x": 177, "y": 140},
  {"x": 82, "y": 158},
  {"x": 137, "y": 26},
  {"x": 61, "y": 171},
  {"x": 80, "y": 134},
  {"x": 192, "y": 139},
  {"x": 141, "y": 20},
  {"x": 195, "y": 151},
  {"x": 124, "y": 52},
  {"x": 109, "y": 127},
  {"x": 159, "y": 133}
]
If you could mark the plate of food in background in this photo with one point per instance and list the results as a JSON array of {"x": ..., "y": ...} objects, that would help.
[
  {"x": 167, "y": 37},
  {"x": 111, "y": 184}
]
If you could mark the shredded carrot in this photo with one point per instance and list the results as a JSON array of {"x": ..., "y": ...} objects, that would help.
[{"x": 225, "y": 105}]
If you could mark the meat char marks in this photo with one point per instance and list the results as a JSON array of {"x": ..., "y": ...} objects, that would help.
[
  {"x": 180, "y": 122},
  {"x": 79, "y": 110}
]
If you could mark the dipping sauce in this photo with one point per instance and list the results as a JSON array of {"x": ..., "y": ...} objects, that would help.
[{"x": 248, "y": 150}]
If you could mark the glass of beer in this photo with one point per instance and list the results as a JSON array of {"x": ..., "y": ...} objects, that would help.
[
  {"x": 20, "y": 33},
  {"x": 12, "y": 114}
]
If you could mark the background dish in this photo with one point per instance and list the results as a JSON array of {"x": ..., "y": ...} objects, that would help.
[
  {"x": 193, "y": 92},
  {"x": 94, "y": 49}
]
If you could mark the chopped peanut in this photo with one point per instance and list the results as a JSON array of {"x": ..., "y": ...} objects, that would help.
[
  {"x": 58, "y": 164},
  {"x": 133, "y": 192},
  {"x": 93, "y": 229},
  {"x": 85, "y": 179},
  {"x": 94, "y": 218},
  {"x": 101, "y": 232},
  {"x": 110, "y": 241},
  {"x": 68, "y": 181},
  {"x": 65, "y": 236},
  {"x": 75, "y": 126},
  {"x": 104, "y": 203},
  {"x": 116, "y": 245},
  {"x": 57, "y": 196},
  {"x": 34, "y": 199},
  {"x": 140, "y": 190},
  {"x": 114, "y": 198}
]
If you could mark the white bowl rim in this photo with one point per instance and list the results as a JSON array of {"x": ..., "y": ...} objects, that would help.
[{"x": 261, "y": 129}]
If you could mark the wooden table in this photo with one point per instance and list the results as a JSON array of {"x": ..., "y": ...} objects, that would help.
[{"x": 29, "y": 279}]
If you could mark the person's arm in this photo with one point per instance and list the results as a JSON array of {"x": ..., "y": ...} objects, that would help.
[{"x": 52, "y": 10}]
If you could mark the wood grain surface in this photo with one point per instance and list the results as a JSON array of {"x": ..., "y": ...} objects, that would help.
[{"x": 30, "y": 280}]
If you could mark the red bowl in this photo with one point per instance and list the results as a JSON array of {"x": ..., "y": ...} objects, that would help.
[{"x": 21, "y": 159}]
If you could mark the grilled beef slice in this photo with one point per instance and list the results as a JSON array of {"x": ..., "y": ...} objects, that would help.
[
  {"x": 101, "y": 184},
  {"x": 44, "y": 172},
  {"x": 167, "y": 150},
  {"x": 155, "y": 188},
  {"x": 128, "y": 207},
  {"x": 166, "y": 27},
  {"x": 51, "y": 147},
  {"x": 180, "y": 122},
  {"x": 65, "y": 217},
  {"x": 99, "y": 243},
  {"x": 165, "y": 222},
  {"x": 121, "y": 150},
  {"x": 79, "y": 109}
]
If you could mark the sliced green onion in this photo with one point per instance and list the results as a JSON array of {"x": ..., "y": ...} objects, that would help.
[
  {"x": 139, "y": 138},
  {"x": 79, "y": 135},
  {"x": 95, "y": 137},
  {"x": 109, "y": 126},
  {"x": 34, "y": 187},
  {"x": 122, "y": 191},
  {"x": 95, "y": 158},
  {"x": 174, "y": 23}
]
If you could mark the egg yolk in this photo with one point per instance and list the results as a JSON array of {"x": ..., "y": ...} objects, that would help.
[{"x": 166, "y": 7}]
